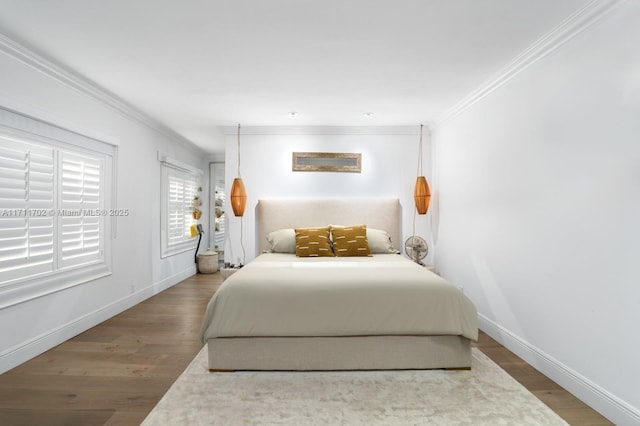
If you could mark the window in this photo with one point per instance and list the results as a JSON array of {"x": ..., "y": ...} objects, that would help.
[
  {"x": 180, "y": 184},
  {"x": 54, "y": 202},
  {"x": 80, "y": 209},
  {"x": 26, "y": 218}
]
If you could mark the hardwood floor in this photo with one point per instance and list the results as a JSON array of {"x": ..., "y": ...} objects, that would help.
[
  {"x": 570, "y": 408},
  {"x": 116, "y": 372}
]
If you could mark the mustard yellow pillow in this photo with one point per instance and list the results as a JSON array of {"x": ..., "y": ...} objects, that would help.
[
  {"x": 350, "y": 241},
  {"x": 313, "y": 242}
]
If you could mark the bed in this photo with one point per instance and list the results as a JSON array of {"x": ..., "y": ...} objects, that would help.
[{"x": 376, "y": 312}]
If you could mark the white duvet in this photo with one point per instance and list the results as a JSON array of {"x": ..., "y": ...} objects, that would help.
[{"x": 386, "y": 294}]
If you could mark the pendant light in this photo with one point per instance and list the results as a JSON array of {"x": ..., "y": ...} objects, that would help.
[
  {"x": 421, "y": 192},
  {"x": 238, "y": 191}
]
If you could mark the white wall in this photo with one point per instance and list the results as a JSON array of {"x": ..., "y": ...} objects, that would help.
[
  {"x": 389, "y": 166},
  {"x": 539, "y": 187},
  {"x": 29, "y": 328}
]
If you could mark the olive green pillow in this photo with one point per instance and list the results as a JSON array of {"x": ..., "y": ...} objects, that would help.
[
  {"x": 350, "y": 241},
  {"x": 313, "y": 242}
]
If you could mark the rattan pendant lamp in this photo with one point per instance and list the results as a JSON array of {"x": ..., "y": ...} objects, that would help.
[
  {"x": 239, "y": 199},
  {"x": 421, "y": 192},
  {"x": 238, "y": 191}
]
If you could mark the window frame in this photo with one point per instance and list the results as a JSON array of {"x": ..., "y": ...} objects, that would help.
[
  {"x": 168, "y": 167},
  {"x": 37, "y": 133}
]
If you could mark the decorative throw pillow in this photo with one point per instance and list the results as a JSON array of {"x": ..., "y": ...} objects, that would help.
[
  {"x": 350, "y": 241},
  {"x": 313, "y": 242},
  {"x": 282, "y": 240},
  {"x": 379, "y": 240}
]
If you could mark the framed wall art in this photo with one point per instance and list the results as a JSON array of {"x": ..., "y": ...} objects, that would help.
[{"x": 326, "y": 162}]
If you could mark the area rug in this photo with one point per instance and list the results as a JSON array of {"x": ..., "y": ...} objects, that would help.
[{"x": 485, "y": 395}]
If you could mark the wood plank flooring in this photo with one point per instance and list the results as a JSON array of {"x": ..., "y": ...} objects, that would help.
[
  {"x": 570, "y": 408},
  {"x": 116, "y": 372}
]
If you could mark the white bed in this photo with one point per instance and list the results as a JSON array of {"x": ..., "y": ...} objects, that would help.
[{"x": 282, "y": 312}]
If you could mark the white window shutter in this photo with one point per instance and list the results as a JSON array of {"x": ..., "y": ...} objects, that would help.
[
  {"x": 182, "y": 187},
  {"x": 176, "y": 224},
  {"x": 26, "y": 209},
  {"x": 80, "y": 210},
  {"x": 54, "y": 188}
]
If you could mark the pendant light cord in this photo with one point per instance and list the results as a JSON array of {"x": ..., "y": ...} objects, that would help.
[
  {"x": 238, "y": 149},
  {"x": 242, "y": 244},
  {"x": 420, "y": 153},
  {"x": 419, "y": 172},
  {"x": 414, "y": 223}
]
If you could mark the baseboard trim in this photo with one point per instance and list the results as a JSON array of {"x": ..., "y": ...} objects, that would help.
[
  {"x": 33, "y": 347},
  {"x": 607, "y": 404},
  {"x": 171, "y": 280}
]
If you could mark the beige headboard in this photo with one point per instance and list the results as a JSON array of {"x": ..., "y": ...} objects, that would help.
[{"x": 274, "y": 214}]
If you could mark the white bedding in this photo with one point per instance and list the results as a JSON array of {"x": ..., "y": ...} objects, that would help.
[{"x": 386, "y": 294}]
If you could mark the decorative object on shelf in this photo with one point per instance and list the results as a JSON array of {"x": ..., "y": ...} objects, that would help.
[
  {"x": 238, "y": 191},
  {"x": 421, "y": 192},
  {"x": 196, "y": 214},
  {"x": 326, "y": 162},
  {"x": 416, "y": 248},
  {"x": 219, "y": 219},
  {"x": 193, "y": 230}
]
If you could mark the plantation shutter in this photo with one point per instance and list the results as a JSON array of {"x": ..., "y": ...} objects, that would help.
[
  {"x": 26, "y": 209},
  {"x": 182, "y": 187},
  {"x": 80, "y": 210}
]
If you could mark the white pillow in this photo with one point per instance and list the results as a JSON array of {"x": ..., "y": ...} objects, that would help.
[
  {"x": 282, "y": 240},
  {"x": 379, "y": 241}
]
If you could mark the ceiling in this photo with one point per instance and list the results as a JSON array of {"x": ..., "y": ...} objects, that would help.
[{"x": 194, "y": 65}]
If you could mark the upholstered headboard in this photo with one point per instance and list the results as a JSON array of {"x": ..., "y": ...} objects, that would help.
[{"x": 274, "y": 214}]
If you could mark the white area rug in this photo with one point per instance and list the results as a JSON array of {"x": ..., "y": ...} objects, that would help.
[{"x": 486, "y": 395}]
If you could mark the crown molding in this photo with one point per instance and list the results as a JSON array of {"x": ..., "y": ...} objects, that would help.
[
  {"x": 322, "y": 130},
  {"x": 81, "y": 84},
  {"x": 569, "y": 28}
]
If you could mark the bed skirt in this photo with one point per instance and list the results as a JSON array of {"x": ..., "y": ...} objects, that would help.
[{"x": 339, "y": 353}]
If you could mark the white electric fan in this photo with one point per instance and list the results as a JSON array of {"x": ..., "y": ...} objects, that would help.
[{"x": 416, "y": 248}]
